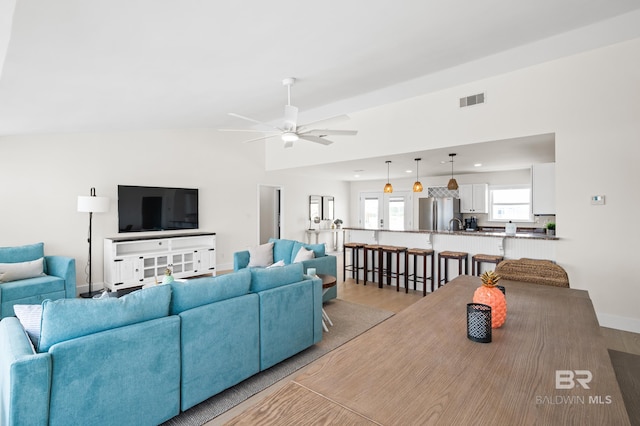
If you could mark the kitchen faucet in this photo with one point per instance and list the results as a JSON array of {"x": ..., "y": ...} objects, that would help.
[{"x": 459, "y": 221}]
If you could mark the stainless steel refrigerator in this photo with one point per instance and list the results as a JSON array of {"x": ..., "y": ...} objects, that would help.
[{"x": 434, "y": 214}]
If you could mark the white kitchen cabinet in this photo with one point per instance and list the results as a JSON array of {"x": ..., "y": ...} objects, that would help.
[
  {"x": 474, "y": 198},
  {"x": 135, "y": 261},
  {"x": 543, "y": 188}
]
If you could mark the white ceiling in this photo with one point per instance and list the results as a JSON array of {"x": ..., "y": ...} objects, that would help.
[{"x": 120, "y": 65}]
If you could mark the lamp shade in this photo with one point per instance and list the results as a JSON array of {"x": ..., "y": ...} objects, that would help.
[{"x": 93, "y": 204}]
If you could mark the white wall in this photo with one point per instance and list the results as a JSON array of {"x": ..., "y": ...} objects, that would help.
[
  {"x": 42, "y": 175},
  {"x": 590, "y": 101}
]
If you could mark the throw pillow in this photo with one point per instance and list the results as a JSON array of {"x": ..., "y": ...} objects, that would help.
[
  {"x": 21, "y": 270},
  {"x": 275, "y": 265},
  {"x": 29, "y": 316},
  {"x": 303, "y": 254},
  {"x": 261, "y": 255}
]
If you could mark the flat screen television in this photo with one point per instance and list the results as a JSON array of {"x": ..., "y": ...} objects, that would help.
[{"x": 153, "y": 208}]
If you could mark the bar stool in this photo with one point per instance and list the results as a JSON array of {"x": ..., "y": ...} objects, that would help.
[
  {"x": 372, "y": 268},
  {"x": 425, "y": 254},
  {"x": 449, "y": 255},
  {"x": 354, "y": 267},
  {"x": 483, "y": 258},
  {"x": 388, "y": 252}
]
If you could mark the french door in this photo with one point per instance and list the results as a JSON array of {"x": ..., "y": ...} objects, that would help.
[{"x": 379, "y": 210}]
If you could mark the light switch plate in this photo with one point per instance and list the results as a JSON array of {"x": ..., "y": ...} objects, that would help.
[{"x": 597, "y": 200}]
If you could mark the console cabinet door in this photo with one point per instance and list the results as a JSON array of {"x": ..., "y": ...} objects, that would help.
[
  {"x": 205, "y": 260},
  {"x": 127, "y": 270}
]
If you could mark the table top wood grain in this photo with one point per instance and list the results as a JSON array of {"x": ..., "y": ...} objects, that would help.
[{"x": 418, "y": 367}]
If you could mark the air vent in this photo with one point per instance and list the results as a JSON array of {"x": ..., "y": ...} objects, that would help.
[{"x": 472, "y": 100}]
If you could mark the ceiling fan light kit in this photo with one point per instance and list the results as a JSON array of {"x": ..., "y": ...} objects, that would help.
[
  {"x": 453, "y": 184},
  {"x": 290, "y": 132}
]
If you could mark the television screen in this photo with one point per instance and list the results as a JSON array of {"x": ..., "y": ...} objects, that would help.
[{"x": 150, "y": 208}]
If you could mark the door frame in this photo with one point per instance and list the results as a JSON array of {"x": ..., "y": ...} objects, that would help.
[{"x": 272, "y": 213}]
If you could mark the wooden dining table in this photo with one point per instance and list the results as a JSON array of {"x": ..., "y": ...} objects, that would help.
[{"x": 547, "y": 365}]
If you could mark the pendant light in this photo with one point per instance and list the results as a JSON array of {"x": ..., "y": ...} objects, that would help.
[
  {"x": 452, "y": 185},
  {"x": 417, "y": 187},
  {"x": 388, "y": 188}
]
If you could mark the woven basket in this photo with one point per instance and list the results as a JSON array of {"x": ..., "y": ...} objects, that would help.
[{"x": 534, "y": 271}]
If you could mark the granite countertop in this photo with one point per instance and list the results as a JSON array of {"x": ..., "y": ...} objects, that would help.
[{"x": 525, "y": 235}]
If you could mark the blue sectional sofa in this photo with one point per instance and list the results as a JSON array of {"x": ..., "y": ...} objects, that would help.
[
  {"x": 286, "y": 250},
  {"x": 146, "y": 356},
  {"x": 53, "y": 277}
]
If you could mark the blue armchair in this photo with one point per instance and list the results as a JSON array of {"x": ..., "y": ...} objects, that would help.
[{"x": 32, "y": 285}]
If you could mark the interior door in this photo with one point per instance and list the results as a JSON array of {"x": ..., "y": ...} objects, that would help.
[
  {"x": 386, "y": 211},
  {"x": 371, "y": 210}
]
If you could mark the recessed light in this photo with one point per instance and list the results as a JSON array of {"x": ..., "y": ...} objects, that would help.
[
  {"x": 477, "y": 165},
  {"x": 409, "y": 171}
]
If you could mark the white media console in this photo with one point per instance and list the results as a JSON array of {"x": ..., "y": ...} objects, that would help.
[{"x": 135, "y": 261}]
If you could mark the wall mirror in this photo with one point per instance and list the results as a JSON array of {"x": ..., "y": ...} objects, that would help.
[
  {"x": 315, "y": 207},
  {"x": 328, "y": 208}
]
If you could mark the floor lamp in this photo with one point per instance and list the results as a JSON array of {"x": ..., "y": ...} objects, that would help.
[{"x": 91, "y": 205}]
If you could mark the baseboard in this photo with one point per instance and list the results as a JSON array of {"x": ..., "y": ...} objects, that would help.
[
  {"x": 84, "y": 288},
  {"x": 619, "y": 323}
]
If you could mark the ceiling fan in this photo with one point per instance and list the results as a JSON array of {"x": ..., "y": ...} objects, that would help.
[{"x": 290, "y": 132}]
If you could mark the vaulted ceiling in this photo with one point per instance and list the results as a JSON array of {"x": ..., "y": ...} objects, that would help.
[{"x": 99, "y": 66}]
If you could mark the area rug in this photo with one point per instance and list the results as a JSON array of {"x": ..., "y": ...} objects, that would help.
[
  {"x": 349, "y": 321},
  {"x": 627, "y": 368}
]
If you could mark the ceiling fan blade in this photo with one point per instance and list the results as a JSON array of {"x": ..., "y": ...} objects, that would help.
[
  {"x": 290, "y": 118},
  {"x": 316, "y": 139},
  {"x": 324, "y": 121},
  {"x": 325, "y": 132},
  {"x": 249, "y": 130},
  {"x": 262, "y": 138},
  {"x": 233, "y": 114}
]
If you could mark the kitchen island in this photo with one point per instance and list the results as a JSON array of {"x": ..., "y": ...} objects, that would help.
[{"x": 521, "y": 245}]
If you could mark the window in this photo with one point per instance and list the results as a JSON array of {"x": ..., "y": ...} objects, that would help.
[
  {"x": 371, "y": 212},
  {"x": 396, "y": 213},
  {"x": 510, "y": 203}
]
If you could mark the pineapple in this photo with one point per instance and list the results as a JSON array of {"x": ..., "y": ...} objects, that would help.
[{"x": 491, "y": 295}]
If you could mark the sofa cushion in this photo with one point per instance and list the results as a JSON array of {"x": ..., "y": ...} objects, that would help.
[
  {"x": 202, "y": 291},
  {"x": 22, "y": 253},
  {"x": 282, "y": 249},
  {"x": 21, "y": 270},
  {"x": 264, "y": 279},
  {"x": 303, "y": 254},
  {"x": 29, "y": 287},
  {"x": 261, "y": 256},
  {"x": 66, "y": 319},
  {"x": 318, "y": 249}
]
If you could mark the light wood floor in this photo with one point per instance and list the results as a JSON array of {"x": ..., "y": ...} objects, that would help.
[{"x": 389, "y": 299}]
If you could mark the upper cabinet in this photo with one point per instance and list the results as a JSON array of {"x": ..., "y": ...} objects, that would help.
[
  {"x": 474, "y": 198},
  {"x": 543, "y": 188}
]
